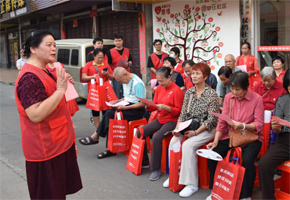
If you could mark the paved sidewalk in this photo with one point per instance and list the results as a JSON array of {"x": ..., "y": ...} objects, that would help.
[{"x": 8, "y": 76}]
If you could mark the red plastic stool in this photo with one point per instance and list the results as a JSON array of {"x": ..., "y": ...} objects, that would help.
[
  {"x": 132, "y": 125},
  {"x": 282, "y": 184},
  {"x": 203, "y": 172},
  {"x": 164, "y": 157}
]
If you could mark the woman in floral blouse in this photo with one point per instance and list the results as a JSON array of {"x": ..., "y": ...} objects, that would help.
[{"x": 197, "y": 102}]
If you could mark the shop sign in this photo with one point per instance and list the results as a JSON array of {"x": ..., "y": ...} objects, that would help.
[
  {"x": 124, "y": 6},
  {"x": 273, "y": 48},
  {"x": 8, "y": 6},
  {"x": 93, "y": 13},
  {"x": 142, "y": 44}
]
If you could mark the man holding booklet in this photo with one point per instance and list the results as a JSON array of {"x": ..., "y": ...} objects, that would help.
[{"x": 134, "y": 110}]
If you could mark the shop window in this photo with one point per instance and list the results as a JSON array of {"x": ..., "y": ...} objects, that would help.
[
  {"x": 63, "y": 56},
  {"x": 75, "y": 57}
]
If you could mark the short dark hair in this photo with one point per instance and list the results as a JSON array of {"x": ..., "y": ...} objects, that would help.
[
  {"x": 34, "y": 40},
  {"x": 248, "y": 44},
  {"x": 176, "y": 50},
  {"x": 171, "y": 60},
  {"x": 240, "y": 79},
  {"x": 157, "y": 40},
  {"x": 97, "y": 51},
  {"x": 118, "y": 36},
  {"x": 188, "y": 62},
  {"x": 204, "y": 68},
  {"x": 225, "y": 71},
  {"x": 278, "y": 58},
  {"x": 97, "y": 39},
  {"x": 165, "y": 71},
  {"x": 286, "y": 80}
]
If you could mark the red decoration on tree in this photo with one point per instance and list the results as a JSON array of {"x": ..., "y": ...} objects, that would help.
[
  {"x": 158, "y": 10},
  {"x": 210, "y": 19},
  {"x": 217, "y": 28},
  {"x": 186, "y": 6}
]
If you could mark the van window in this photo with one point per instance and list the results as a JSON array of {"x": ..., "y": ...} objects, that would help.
[
  {"x": 63, "y": 56},
  {"x": 75, "y": 57}
]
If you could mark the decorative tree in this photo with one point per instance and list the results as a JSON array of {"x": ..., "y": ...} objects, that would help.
[{"x": 191, "y": 33}]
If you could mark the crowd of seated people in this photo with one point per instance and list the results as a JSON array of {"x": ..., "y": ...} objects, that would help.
[{"x": 228, "y": 93}]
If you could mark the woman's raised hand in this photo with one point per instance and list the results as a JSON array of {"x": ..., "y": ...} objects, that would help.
[{"x": 62, "y": 78}]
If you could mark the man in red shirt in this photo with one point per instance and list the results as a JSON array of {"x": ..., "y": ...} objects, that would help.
[{"x": 114, "y": 55}]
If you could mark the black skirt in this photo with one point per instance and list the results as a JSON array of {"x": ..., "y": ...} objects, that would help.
[{"x": 54, "y": 178}]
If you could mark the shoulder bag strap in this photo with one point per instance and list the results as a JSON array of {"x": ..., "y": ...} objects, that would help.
[
  {"x": 266, "y": 93},
  {"x": 97, "y": 70}
]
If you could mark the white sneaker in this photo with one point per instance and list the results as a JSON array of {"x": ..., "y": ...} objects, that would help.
[
  {"x": 208, "y": 198},
  {"x": 188, "y": 191},
  {"x": 166, "y": 183}
]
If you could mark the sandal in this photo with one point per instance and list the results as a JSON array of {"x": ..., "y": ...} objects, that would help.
[
  {"x": 106, "y": 154},
  {"x": 88, "y": 141}
]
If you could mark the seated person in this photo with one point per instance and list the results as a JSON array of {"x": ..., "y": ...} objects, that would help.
[
  {"x": 132, "y": 86},
  {"x": 168, "y": 98},
  {"x": 211, "y": 81},
  {"x": 279, "y": 150},
  {"x": 175, "y": 76},
  {"x": 269, "y": 88},
  {"x": 224, "y": 74},
  {"x": 198, "y": 101},
  {"x": 246, "y": 108}
]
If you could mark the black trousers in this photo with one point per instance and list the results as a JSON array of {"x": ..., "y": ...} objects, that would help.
[
  {"x": 160, "y": 130},
  {"x": 275, "y": 155},
  {"x": 129, "y": 115},
  {"x": 249, "y": 154}
]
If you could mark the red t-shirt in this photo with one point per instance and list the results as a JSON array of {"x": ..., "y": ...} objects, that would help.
[
  {"x": 171, "y": 96},
  {"x": 281, "y": 76},
  {"x": 90, "y": 70},
  {"x": 269, "y": 99}
]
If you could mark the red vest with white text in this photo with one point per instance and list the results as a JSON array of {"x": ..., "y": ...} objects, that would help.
[
  {"x": 157, "y": 62},
  {"x": 116, "y": 57},
  {"x": 50, "y": 137}
]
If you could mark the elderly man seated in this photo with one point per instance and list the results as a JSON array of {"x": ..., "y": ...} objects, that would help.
[{"x": 132, "y": 86}]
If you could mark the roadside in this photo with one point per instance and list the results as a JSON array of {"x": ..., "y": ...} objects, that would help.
[{"x": 8, "y": 76}]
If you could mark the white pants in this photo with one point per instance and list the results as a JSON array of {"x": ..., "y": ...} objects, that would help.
[{"x": 189, "y": 171}]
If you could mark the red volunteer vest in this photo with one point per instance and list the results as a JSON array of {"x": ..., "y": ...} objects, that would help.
[
  {"x": 179, "y": 67},
  {"x": 188, "y": 83},
  {"x": 116, "y": 57},
  {"x": 55, "y": 134},
  {"x": 157, "y": 62},
  {"x": 249, "y": 63}
]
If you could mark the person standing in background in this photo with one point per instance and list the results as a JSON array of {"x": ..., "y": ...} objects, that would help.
[
  {"x": 114, "y": 55},
  {"x": 20, "y": 62},
  {"x": 278, "y": 63},
  {"x": 155, "y": 60},
  {"x": 175, "y": 53},
  {"x": 98, "y": 44},
  {"x": 250, "y": 61}
]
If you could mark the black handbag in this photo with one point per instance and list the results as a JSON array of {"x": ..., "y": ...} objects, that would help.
[{"x": 194, "y": 125}]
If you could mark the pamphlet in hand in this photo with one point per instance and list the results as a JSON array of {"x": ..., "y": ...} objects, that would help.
[
  {"x": 223, "y": 117},
  {"x": 281, "y": 121},
  {"x": 146, "y": 101},
  {"x": 243, "y": 67},
  {"x": 181, "y": 127},
  {"x": 70, "y": 92},
  {"x": 120, "y": 103},
  {"x": 122, "y": 62}
]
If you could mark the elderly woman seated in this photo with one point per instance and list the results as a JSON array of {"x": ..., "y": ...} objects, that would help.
[
  {"x": 279, "y": 150},
  {"x": 269, "y": 88},
  {"x": 197, "y": 102},
  {"x": 246, "y": 109}
]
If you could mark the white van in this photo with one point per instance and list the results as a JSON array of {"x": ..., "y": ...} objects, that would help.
[{"x": 72, "y": 54}]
